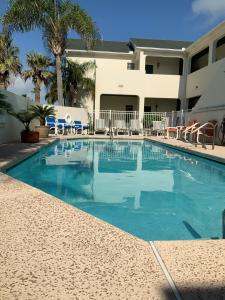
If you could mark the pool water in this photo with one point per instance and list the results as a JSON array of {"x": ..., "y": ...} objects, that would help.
[{"x": 150, "y": 191}]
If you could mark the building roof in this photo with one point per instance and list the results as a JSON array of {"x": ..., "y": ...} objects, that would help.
[
  {"x": 102, "y": 46},
  {"x": 125, "y": 47},
  {"x": 165, "y": 44}
]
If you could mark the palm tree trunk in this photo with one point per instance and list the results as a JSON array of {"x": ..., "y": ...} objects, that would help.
[
  {"x": 59, "y": 80},
  {"x": 2, "y": 85},
  {"x": 37, "y": 90},
  {"x": 2, "y": 82}
]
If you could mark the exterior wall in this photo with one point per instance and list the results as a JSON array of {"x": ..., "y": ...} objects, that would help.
[
  {"x": 112, "y": 77},
  {"x": 208, "y": 82},
  {"x": 10, "y": 127},
  {"x": 118, "y": 102},
  {"x": 163, "y": 105},
  {"x": 78, "y": 114},
  {"x": 164, "y": 65},
  {"x": 133, "y": 82}
]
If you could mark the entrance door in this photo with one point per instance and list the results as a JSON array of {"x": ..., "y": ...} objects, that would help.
[
  {"x": 129, "y": 108},
  {"x": 148, "y": 109}
]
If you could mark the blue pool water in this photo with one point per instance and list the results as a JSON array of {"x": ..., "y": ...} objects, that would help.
[{"x": 152, "y": 192}]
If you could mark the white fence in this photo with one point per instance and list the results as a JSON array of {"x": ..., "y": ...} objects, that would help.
[{"x": 124, "y": 120}]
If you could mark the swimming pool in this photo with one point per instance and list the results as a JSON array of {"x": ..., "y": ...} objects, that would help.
[{"x": 148, "y": 190}]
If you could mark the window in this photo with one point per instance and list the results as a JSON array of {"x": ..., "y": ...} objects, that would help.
[
  {"x": 193, "y": 101},
  {"x": 200, "y": 60},
  {"x": 181, "y": 66},
  {"x": 130, "y": 66},
  {"x": 220, "y": 49},
  {"x": 149, "y": 69},
  {"x": 147, "y": 109},
  {"x": 129, "y": 107}
]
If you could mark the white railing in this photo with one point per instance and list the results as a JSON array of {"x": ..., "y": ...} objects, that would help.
[
  {"x": 112, "y": 119},
  {"x": 125, "y": 120},
  {"x": 114, "y": 122}
]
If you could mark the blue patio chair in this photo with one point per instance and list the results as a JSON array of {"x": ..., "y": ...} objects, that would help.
[
  {"x": 62, "y": 125},
  {"x": 77, "y": 125},
  {"x": 51, "y": 122}
]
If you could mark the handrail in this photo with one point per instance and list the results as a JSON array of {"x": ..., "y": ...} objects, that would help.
[{"x": 204, "y": 127}]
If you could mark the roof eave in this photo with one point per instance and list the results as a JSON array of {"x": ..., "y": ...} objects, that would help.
[
  {"x": 95, "y": 52},
  {"x": 162, "y": 49}
]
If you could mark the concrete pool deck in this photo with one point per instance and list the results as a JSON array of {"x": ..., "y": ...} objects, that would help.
[
  {"x": 218, "y": 154},
  {"x": 51, "y": 250}
]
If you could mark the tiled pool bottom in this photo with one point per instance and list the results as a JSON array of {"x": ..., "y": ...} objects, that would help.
[{"x": 150, "y": 191}]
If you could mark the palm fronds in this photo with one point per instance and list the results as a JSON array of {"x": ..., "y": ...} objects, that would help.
[
  {"x": 42, "y": 112},
  {"x": 55, "y": 19}
]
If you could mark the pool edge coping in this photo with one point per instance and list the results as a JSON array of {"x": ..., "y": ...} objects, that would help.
[
  {"x": 24, "y": 157},
  {"x": 187, "y": 150}
]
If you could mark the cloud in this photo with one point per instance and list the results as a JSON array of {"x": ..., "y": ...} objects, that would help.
[
  {"x": 20, "y": 87},
  {"x": 214, "y": 9}
]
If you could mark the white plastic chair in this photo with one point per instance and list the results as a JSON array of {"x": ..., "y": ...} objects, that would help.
[
  {"x": 120, "y": 126},
  {"x": 135, "y": 126},
  {"x": 100, "y": 126}
]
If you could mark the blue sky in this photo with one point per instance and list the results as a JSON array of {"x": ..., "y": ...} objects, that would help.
[{"x": 122, "y": 19}]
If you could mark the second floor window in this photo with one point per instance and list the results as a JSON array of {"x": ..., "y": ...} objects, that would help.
[
  {"x": 130, "y": 66},
  {"x": 149, "y": 69}
]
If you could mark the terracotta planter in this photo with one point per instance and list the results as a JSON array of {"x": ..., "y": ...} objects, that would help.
[
  {"x": 29, "y": 137},
  {"x": 43, "y": 131}
]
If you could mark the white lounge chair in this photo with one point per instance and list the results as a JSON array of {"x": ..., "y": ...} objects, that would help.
[
  {"x": 100, "y": 126},
  {"x": 120, "y": 126},
  {"x": 135, "y": 126},
  {"x": 158, "y": 127}
]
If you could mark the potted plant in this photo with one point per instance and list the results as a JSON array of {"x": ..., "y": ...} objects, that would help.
[
  {"x": 41, "y": 112},
  {"x": 25, "y": 117}
]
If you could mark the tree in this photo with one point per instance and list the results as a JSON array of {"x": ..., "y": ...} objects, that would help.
[
  {"x": 76, "y": 82},
  {"x": 25, "y": 117},
  {"x": 9, "y": 60},
  {"x": 42, "y": 112},
  {"x": 55, "y": 18},
  {"x": 39, "y": 65}
]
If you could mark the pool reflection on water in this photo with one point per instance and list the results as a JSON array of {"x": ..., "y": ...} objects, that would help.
[{"x": 150, "y": 191}]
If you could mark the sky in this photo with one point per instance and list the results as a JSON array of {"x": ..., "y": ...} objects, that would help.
[{"x": 122, "y": 19}]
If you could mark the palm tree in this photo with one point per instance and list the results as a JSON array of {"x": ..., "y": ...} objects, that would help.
[
  {"x": 25, "y": 117},
  {"x": 9, "y": 60},
  {"x": 42, "y": 112},
  {"x": 38, "y": 71},
  {"x": 52, "y": 96},
  {"x": 76, "y": 83},
  {"x": 55, "y": 18}
]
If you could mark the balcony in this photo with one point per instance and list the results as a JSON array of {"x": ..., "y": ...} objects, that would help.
[{"x": 136, "y": 82}]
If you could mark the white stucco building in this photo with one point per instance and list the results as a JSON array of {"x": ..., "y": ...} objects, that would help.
[{"x": 155, "y": 75}]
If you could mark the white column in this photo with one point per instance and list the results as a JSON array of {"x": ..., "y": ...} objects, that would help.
[
  {"x": 97, "y": 105},
  {"x": 186, "y": 69},
  {"x": 141, "y": 108},
  {"x": 212, "y": 52},
  {"x": 142, "y": 58}
]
